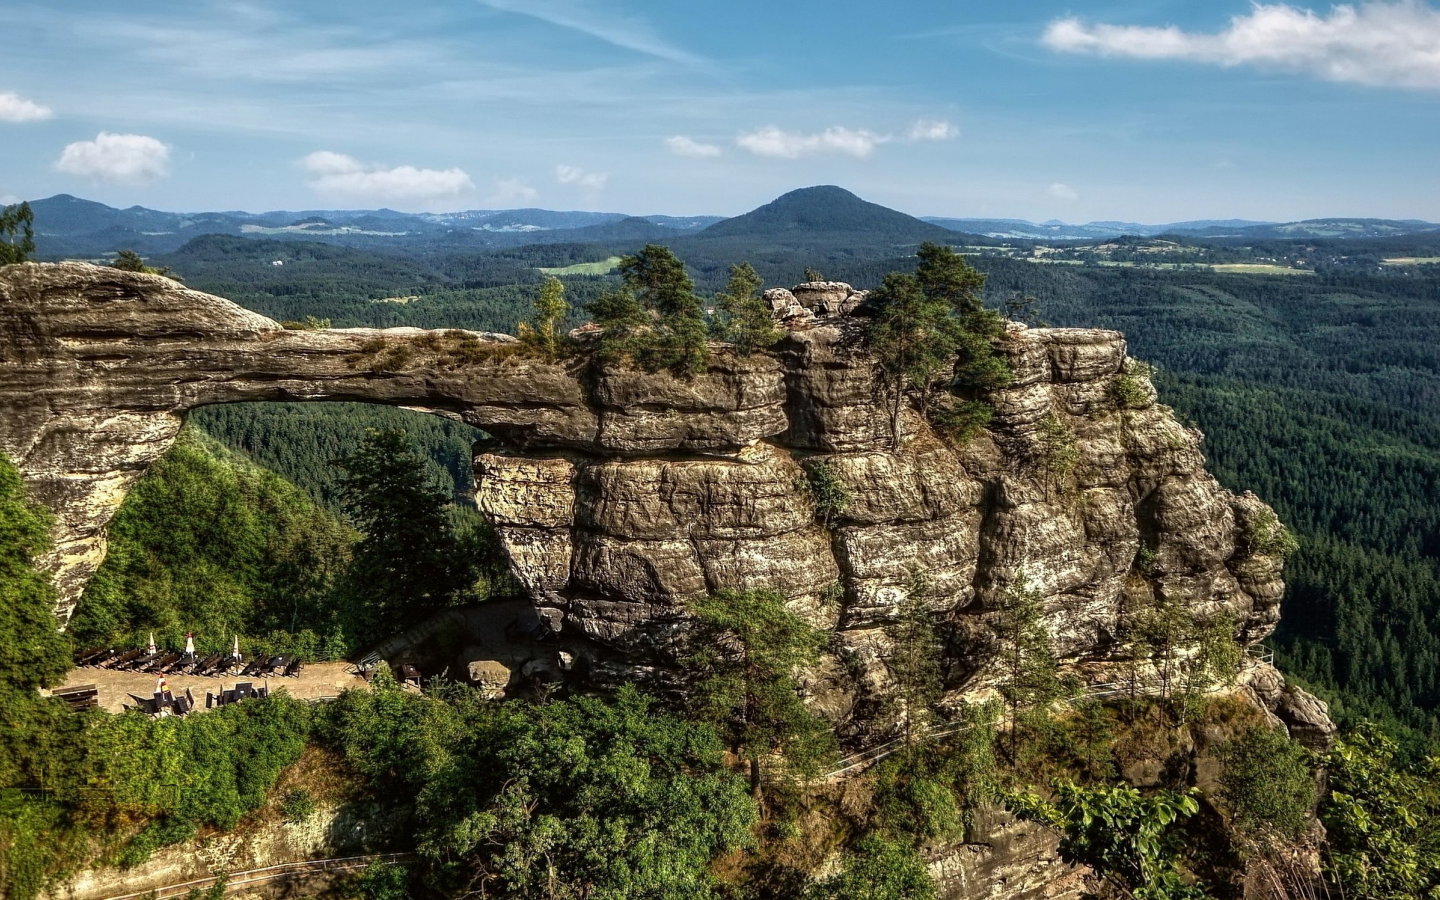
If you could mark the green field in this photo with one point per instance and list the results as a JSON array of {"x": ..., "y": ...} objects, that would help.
[
  {"x": 603, "y": 267},
  {"x": 1412, "y": 260},
  {"x": 1258, "y": 269}
]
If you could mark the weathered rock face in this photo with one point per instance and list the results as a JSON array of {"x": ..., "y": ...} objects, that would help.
[{"x": 621, "y": 494}]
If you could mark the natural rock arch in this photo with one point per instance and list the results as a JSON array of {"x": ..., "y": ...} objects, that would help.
[{"x": 622, "y": 493}]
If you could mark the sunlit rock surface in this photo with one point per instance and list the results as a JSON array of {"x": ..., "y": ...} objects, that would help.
[{"x": 620, "y": 494}]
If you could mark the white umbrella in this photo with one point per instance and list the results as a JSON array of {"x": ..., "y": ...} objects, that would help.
[
  {"x": 150, "y": 647},
  {"x": 236, "y": 652},
  {"x": 189, "y": 644}
]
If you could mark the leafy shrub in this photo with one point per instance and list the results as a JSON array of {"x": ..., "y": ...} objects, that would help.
[
  {"x": 383, "y": 881},
  {"x": 297, "y": 805},
  {"x": 878, "y": 869},
  {"x": 1129, "y": 838},
  {"x": 962, "y": 420},
  {"x": 1268, "y": 536},
  {"x": 1381, "y": 818},
  {"x": 831, "y": 495},
  {"x": 160, "y": 833},
  {"x": 1128, "y": 390},
  {"x": 1267, "y": 786}
]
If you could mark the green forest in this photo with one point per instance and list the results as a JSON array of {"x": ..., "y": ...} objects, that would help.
[{"x": 319, "y": 529}]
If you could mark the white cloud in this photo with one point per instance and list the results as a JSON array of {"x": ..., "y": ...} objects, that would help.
[
  {"x": 590, "y": 181},
  {"x": 511, "y": 191},
  {"x": 680, "y": 145},
  {"x": 1063, "y": 192},
  {"x": 1395, "y": 44},
  {"x": 8, "y": 199},
  {"x": 119, "y": 158},
  {"x": 15, "y": 108},
  {"x": 338, "y": 175},
  {"x": 773, "y": 142},
  {"x": 932, "y": 130}
]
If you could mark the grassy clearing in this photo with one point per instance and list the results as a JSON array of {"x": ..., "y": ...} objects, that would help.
[
  {"x": 603, "y": 267},
  {"x": 1412, "y": 260}
]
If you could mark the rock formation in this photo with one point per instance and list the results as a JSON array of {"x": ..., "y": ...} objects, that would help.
[{"x": 619, "y": 494}]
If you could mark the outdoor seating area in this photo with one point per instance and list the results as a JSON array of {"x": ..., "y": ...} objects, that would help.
[
  {"x": 165, "y": 702},
  {"x": 169, "y": 662}
]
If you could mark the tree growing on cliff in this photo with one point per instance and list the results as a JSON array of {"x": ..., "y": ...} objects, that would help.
[
  {"x": 915, "y": 661},
  {"x": 1190, "y": 654},
  {"x": 931, "y": 330},
  {"x": 946, "y": 277},
  {"x": 745, "y": 320},
  {"x": 914, "y": 339},
  {"x": 410, "y": 561},
  {"x": 742, "y": 656},
  {"x": 544, "y": 332},
  {"x": 1025, "y": 659},
  {"x": 661, "y": 320},
  {"x": 17, "y": 234}
]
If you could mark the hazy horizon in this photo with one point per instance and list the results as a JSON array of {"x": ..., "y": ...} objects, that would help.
[{"x": 1156, "y": 112}]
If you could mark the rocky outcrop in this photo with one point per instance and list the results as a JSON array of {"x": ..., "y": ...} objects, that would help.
[
  {"x": 1003, "y": 857},
  {"x": 620, "y": 494}
]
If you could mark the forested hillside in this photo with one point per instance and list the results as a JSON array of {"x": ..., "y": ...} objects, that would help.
[
  {"x": 303, "y": 441},
  {"x": 1322, "y": 395}
]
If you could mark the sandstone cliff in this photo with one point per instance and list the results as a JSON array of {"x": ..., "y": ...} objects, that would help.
[{"x": 619, "y": 494}]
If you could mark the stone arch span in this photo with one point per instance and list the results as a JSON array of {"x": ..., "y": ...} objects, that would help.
[{"x": 621, "y": 493}]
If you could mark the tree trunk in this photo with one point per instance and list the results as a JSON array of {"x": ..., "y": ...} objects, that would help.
[
  {"x": 895, "y": 413},
  {"x": 755, "y": 778}
]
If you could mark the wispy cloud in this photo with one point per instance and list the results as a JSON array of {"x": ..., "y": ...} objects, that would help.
[
  {"x": 932, "y": 130},
  {"x": 1063, "y": 192},
  {"x": 578, "y": 177},
  {"x": 338, "y": 175},
  {"x": 618, "y": 30},
  {"x": 680, "y": 145},
  {"x": 510, "y": 191},
  {"x": 15, "y": 108},
  {"x": 1391, "y": 44},
  {"x": 117, "y": 158},
  {"x": 857, "y": 142}
]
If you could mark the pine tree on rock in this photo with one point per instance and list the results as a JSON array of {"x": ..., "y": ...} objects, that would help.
[
  {"x": 743, "y": 654},
  {"x": 746, "y": 320},
  {"x": 656, "y": 281},
  {"x": 544, "y": 333}
]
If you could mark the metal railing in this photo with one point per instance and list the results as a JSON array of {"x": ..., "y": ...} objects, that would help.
[{"x": 251, "y": 877}]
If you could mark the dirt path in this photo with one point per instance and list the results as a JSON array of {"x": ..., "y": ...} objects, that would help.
[{"x": 318, "y": 681}]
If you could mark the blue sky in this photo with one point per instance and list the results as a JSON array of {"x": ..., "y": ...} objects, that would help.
[{"x": 1150, "y": 111}]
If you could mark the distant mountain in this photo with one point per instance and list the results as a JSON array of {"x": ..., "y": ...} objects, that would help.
[
  {"x": 68, "y": 226},
  {"x": 1020, "y": 229},
  {"x": 1332, "y": 229},
  {"x": 1054, "y": 230},
  {"x": 829, "y": 212}
]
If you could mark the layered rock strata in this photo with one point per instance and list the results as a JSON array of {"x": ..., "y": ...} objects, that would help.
[{"x": 621, "y": 494}]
